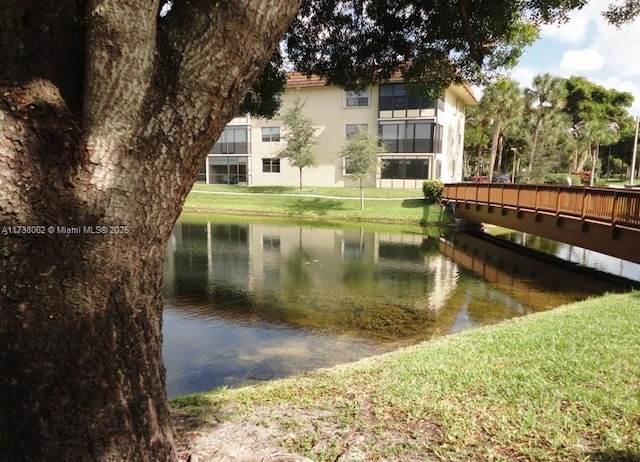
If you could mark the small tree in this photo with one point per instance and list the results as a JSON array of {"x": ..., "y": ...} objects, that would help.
[
  {"x": 360, "y": 154},
  {"x": 299, "y": 138}
]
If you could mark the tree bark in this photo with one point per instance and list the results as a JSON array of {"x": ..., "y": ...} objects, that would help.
[{"x": 93, "y": 173}]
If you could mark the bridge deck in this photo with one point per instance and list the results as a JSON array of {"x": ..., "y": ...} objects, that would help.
[{"x": 606, "y": 220}]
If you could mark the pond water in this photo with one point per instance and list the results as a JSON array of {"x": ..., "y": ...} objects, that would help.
[
  {"x": 249, "y": 301},
  {"x": 578, "y": 255}
]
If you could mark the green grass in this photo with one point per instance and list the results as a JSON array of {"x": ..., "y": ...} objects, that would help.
[
  {"x": 554, "y": 386},
  {"x": 398, "y": 205},
  {"x": 319, "y": 190}
]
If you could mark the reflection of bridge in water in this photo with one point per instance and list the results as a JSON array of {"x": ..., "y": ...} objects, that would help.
[
  {"x": 605, "y": 220},
  {"x": 540, "y": 281}
]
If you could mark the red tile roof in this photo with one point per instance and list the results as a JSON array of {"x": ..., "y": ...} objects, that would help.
[{"x": 297, "y": 80}]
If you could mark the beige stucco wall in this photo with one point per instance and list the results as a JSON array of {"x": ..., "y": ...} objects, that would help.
[{"x": 326, "y": 106}]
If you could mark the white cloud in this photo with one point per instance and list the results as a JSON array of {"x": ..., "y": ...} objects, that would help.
[
  {"x": 524, "y": 75},
  {"x": 590, "y": 47},
  {"x": 565, "y": 33},
  {"x": 580, "y": 61},
  {"x": 579, "y": 26},
  {"x": 620, "y": 46}
]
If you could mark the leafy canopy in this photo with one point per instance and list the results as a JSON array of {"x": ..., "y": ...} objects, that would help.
[
  {"x": 354, "y": 43},
  {"x": 299, "y": 137},
  {"x": 587, "y": 101},
  {"x": 360, "y": 153}
]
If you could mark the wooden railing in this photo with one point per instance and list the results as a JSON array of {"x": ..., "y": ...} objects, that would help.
[{"x": 618, "y": 207}]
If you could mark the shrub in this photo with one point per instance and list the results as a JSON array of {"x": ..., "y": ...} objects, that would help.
[
  {"x": 585, "y": 177},
  {"x": 432, "y": 190},
  {"x": 561, "y": 179}
]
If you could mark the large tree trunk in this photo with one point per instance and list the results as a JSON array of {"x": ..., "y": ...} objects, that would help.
[
  {"x": 80, "y": 294},
  {"x": 94, "y": 167},
  {"x": 82, "y": 371}
]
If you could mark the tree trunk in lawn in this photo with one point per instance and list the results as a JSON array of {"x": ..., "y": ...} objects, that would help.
[{"x": 106, "y": 113}]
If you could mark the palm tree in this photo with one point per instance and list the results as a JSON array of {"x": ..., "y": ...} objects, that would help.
[
  {"x": 546, "y": 97},
  {"x": 593, "y": 134},
  {"x": 476, "y": 138},
  {"x": 503, "y": 100}
]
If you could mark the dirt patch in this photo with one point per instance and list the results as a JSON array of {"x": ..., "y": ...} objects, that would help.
[
  {"x": 280, "y": 433},
  {"x": 240, "y": 438}
]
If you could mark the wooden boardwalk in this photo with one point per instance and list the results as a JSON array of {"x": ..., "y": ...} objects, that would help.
[{"x": 605, "y": 220}]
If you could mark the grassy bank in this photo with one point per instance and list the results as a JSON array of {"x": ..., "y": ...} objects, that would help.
[
  {"x": 560, "y": 385},
  {"x": 382, "y": 205}
]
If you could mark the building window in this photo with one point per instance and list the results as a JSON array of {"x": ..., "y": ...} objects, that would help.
[
  {"x": 271, "y": 242},
  {"x": 437, "y": 138},
  {"x": 352, "y": 250},
  {"x": 270, "y": 165},
  {"x": 227, "y": 170},
  {"x": 408, "y": 136},
  {"x": 352, "y": 129},
  {"x": 405, "y": 168},
  {"x": 234, "y": 140},
  {"x": 347, "y": 166},
  {"x": 394, "y": 96},
  {"x": 357, "y": 98},
  {"x": 270, "y": 134}
]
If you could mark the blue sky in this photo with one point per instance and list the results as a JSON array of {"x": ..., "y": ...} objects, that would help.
[{"x": 587, "y": 46}]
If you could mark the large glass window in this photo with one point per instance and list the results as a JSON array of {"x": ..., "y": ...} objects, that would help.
[
  {"x": 394, "y": 96},
  {"x": 357, "y": 98},
  {"x": 404, "y": 168},
  {"x": 270, "y": 134},
  {"x": 407, "y": 135},
  {"x": 234, "y": 140},
  {"x": 227, "y": 170}
]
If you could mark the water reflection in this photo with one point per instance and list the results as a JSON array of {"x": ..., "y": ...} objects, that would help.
[
  {"x": 260, "y": 300},
  {"x": 578, "y": 255}
]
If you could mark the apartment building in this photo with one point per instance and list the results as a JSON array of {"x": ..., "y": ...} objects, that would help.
[{"x": 423, "y": 137}]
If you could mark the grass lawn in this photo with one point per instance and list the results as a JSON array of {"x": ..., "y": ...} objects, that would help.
[
  {"x": 562, "y": 385},
  {"x": 383, "y": 205},
  {"x": 319, "y": 190}
]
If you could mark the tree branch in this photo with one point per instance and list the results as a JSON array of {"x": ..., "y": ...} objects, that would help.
[
  {"x": 43, "y": 40},
  {"x": 210, "y": 55},
  {"x": 121, "y": 44}
]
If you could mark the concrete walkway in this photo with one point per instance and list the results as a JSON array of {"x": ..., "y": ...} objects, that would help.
[{"x": 319, "y": 196}]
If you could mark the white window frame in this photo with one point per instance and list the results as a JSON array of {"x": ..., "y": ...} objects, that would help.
[
  {"x": 353, "y": 99},
  {"x": 344, "y": 168},
  {"x": 270, "y": 133},
  {"x": 355, "y": 128},
  {"x": 272, "y": 162}
]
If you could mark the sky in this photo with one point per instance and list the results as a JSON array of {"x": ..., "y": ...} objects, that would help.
[{"x": 587, "y": 46}]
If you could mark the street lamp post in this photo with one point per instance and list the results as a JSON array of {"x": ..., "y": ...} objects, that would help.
[
  {"x": 513, "y": 168},
  {"x": 633, "y": 157}
]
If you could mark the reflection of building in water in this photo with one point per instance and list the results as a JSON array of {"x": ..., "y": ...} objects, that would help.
[
  {"x": 352, "y": 271},
  {"x": 205, "y": 255},
  {"x": 440, "y": 272}
]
